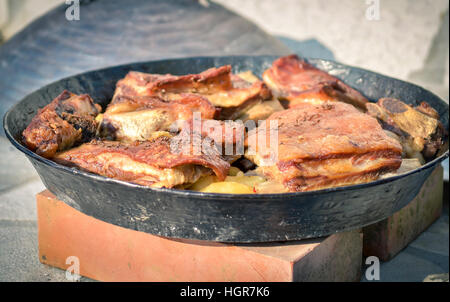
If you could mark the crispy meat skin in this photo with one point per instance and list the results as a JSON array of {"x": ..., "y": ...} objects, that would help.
[
  {"x": 145, "y": 84},
  {"x": 419, "y": 128},
  {"x": 150, "y": 163},
  {"x": 218, "y": 85},
  {"x": 425, "y": 108},
  {"x": 327, "y": 145},
  {"x": 137, "y": 118},
  {"x": 189, "y": 102},
  {"x": 296, "y": 81},
  {"x": 227, "y": 136},
  {"x": 66, "y": 121}
]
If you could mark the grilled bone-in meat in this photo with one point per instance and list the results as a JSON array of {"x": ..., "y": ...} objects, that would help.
[
  {"x": 227, "y": 136},
  {"x": 224, "y": 90},
  {"x": 260, "y": 110},
  {"x": 327, "y": 145},
  {"x": 68, "y": 120},
  {"x": 145, "y": 84},
  {"x": 295, "y": 81},
  {"x": 151, "y": 163},
  {"x": 137, "y": 118},
  {"x": 418, "y": 129}
]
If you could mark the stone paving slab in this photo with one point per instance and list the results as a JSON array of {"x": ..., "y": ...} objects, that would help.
[
  {"x": 19, "y": 183},
  {"x": 18, "y": 203},
  {"x": 19, "y": 260},
  {"x": 15, "y": 168}
]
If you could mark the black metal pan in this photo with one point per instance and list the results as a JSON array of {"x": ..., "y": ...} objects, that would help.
[{"x": 224, "y": 217}]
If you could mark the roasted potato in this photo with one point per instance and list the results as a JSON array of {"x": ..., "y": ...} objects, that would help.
[{"x": 235, "y": 183}]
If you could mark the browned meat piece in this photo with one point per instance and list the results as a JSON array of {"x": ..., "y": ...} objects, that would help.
[
  {"x": 322, "y": 146},
  {"x": 195, "y": 103},
  {"x": 425, "y": 108},
  {"x": 230, "y": 92},
  {"x": 419, "y": 129},
  {"x": 261, "y": 111},
  {"x": 237, "y": 101},
  {"x": 47, "y": 133},
  {"x": 295, "y": 81},
  {"x": 244, "y": 164},
  {"x": 155, "y": 163},
  {"x": 222, "y": 132},
  {"x": 137, "y": 118},
  {"x": 144, "y": 84},
  {"x": 255, "y": 111},
  {"x": 226, "y": 136},
  {"x": 66, "y": 121}
]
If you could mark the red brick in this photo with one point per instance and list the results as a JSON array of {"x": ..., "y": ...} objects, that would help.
[
  {"x": 388, "y": 237},
  {"x": 110, "y": 253}
]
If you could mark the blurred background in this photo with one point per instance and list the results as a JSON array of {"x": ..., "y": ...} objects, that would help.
[{"x": 407, "y": 39}]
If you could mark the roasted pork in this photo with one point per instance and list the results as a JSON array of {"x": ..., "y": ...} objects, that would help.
[
  {"x": 67, "y": 121},
  {"x": 418, "y": 129},
  {"x": 327, "y": 145},
  {"x": 134, "y": 118},
  {"x": 156, "y": 163},
  {"x": 232, "y": 93},
  {"x": 294, "y": 81}
]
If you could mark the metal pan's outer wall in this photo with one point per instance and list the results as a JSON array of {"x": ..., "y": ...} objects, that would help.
[{"x": 224, "y": 217}]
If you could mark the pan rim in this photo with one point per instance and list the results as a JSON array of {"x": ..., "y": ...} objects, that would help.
[{"x": 216, "y": 196}]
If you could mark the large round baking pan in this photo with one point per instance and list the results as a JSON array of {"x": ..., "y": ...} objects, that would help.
[{"x": 224, "y": 217}]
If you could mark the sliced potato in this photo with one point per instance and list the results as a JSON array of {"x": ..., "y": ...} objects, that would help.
[
  {"x": 234, "y": 184},
  {"x": 250, "y": 181},
  {"x": 203, "y": 182},
  {"x": 99, "y": 118},
  {"x": 234, "y": 171},
  {"x": 228, "y": 187},
  {"x": 270, "y": 187}
]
